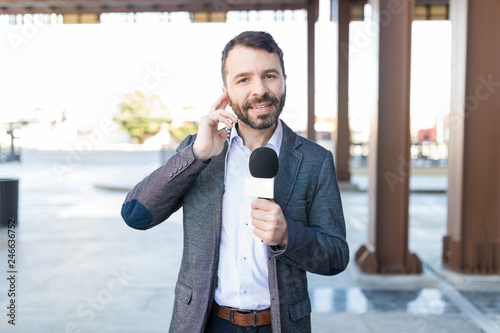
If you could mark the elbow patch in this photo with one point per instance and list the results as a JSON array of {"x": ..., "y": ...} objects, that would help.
[{"x": 136, "y": 215}]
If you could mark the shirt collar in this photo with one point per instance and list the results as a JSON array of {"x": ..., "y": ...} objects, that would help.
[{"x": 274, "y": 142}]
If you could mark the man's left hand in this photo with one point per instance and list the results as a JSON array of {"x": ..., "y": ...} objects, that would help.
[{"x": 269, "y": 222}]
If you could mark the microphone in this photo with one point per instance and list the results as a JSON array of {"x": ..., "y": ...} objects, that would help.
[{"x": 263, "y": 165}]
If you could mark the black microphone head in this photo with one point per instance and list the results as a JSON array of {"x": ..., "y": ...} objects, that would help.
[{"x": 263, "y": 163}]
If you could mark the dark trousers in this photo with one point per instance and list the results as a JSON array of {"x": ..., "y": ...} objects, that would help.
[{"x": 219, "y": 325}]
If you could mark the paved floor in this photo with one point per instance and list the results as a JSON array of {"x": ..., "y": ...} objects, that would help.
[{"x": 79, "y": 268}]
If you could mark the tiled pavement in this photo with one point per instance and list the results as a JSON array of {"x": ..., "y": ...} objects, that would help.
[{"x": 81, "y": 269}]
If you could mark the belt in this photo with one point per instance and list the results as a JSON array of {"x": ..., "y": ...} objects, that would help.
[{"x": 243, "y": 318}]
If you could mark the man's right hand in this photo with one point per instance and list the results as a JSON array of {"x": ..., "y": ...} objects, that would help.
[{"x": 208, "y": 142}]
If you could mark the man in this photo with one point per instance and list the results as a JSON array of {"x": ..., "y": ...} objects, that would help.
[{"x": 245, "y": 259}]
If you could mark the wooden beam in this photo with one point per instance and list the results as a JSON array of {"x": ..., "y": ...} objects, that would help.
[
  {"x": 312, "y": 17},
  {"x": 472, "y": 243},
  {"x": 389, "y": 161},
  {"x": 114, "y": 6},
  {"x": 343, "y": 147}
]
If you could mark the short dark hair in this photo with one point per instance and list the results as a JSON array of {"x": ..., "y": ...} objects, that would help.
[{"x": 253, "y": 39}]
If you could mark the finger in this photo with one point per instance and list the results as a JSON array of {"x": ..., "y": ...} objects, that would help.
[
  {"x": 220, "y": 103},
  {"x": 227, "y": 114},
  {"x": 219, "y": 118},
  {"x": 261, "y": 234},
  {"x": 223, "y": 134},
  {"x": 258, "y": 214},
  {"x": 265, "y": 217},
  {"x": 263, "y": 204},
  {"x": 261, "y": 225}
]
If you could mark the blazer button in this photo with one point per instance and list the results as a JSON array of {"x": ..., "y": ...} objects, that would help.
[
  {"x": 185, "y": 164},
  {"x": 170, "y": 174}
]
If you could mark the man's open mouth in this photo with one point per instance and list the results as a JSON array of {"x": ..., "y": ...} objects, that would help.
[{"x": 262, "y": 106}]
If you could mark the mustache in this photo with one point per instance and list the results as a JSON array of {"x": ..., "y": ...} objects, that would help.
[{"x": 266, "y": 98}]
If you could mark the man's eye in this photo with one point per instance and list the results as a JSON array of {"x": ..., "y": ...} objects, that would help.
[
  {"x": 243, "y": 80},
  {"x": 269, "y": 76}
]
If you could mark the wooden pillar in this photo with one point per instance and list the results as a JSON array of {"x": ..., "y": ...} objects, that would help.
[
  {"x": 472, "y": 243},
  {"x": 343, "y": 148},
  {"x": 312, "y": 17},
  {"x": 389, "y": 157}
]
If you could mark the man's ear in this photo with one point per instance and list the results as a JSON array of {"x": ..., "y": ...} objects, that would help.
[{"x": 225, "y": 90}]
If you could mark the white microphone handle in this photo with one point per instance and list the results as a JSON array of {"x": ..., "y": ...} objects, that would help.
[{"x": 259, "y": 187}]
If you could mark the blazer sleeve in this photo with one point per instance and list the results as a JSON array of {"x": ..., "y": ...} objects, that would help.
[
  {"x": 319, "y": 246},
  {"x": 160, "y": 194}
]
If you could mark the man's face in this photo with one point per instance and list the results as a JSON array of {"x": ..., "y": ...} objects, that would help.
[{"x": 255, "y": 86}]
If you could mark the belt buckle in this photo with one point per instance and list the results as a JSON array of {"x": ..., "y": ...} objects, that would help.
[{"x": 231, "y": 316}]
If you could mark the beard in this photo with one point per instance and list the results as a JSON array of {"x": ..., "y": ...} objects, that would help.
[{"x": 262, "y": 121}]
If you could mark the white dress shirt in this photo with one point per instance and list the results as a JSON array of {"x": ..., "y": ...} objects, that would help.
[{"x": 242, "y": 278}]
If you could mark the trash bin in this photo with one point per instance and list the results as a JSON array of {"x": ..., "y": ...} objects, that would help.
[{"x": 9, "y": 197}]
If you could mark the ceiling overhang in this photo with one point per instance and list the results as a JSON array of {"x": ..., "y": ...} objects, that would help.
[
  {"x": 114, "y": 6},
  {"x": 136, "y": 6}
]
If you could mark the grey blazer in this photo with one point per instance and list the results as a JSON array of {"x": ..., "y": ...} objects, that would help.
[{"x": 305, "y": 188}]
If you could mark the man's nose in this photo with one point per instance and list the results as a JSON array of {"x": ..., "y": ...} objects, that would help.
[{"x": 259, "y": 88}]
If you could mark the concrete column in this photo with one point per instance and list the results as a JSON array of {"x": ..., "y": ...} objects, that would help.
[
  {"x": 312, "y": 17},
  {"x": 389, "y": 157},
  {"x": 472, "y": 243},
  {"x": 343, "y": 147}
]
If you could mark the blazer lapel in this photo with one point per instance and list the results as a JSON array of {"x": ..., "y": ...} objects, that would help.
[
  {"x": 217, "y": 167},
  {"x": 217, "y": 171},
  {"x": 289, "y": 165}
]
